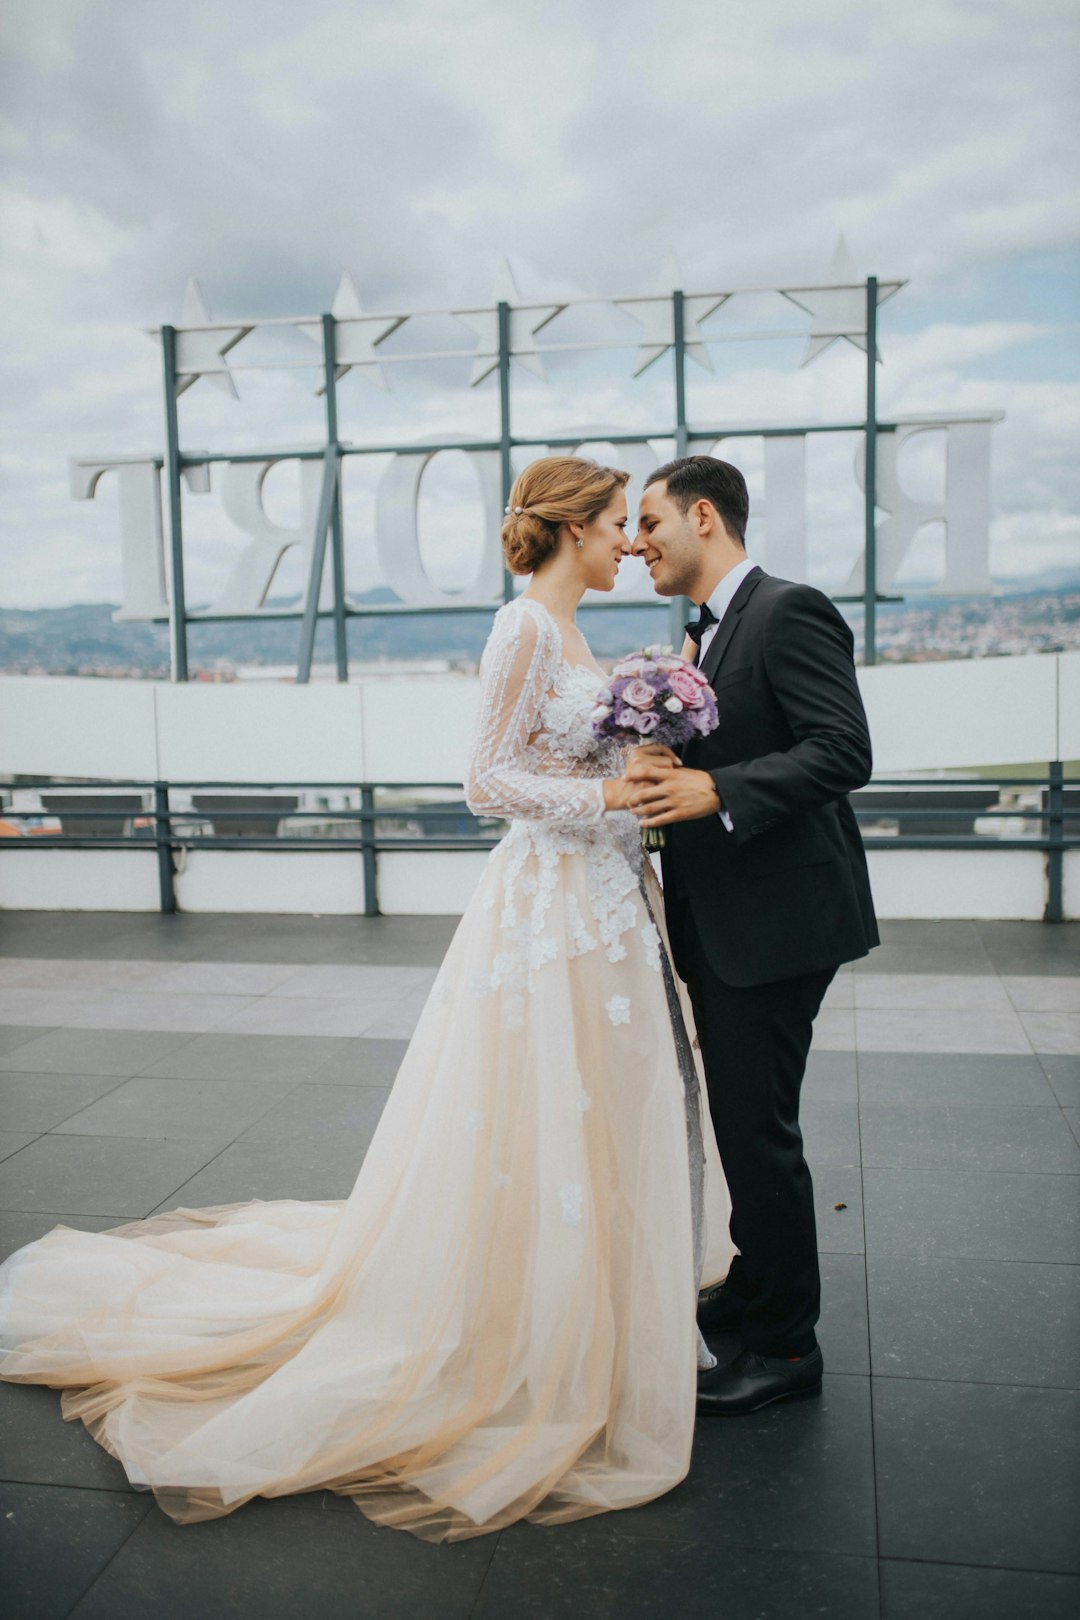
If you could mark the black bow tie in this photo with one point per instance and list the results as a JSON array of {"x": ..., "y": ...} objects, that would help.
[{"x": 697, "y": 627}]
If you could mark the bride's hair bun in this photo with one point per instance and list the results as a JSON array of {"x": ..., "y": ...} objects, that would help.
[
  {"x": 527, "y": 540},
  {"x": 550, "y": 492}
]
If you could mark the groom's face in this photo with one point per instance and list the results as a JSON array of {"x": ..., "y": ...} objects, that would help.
[{"x": 667, "y": 544}]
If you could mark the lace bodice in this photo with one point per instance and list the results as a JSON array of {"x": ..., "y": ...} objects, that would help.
[{"x": 534, "y": 756}]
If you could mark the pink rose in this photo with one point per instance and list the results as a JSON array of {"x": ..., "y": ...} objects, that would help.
[
  {"x": 639, "y": 695},
  {"x": 684, "y": 687}
]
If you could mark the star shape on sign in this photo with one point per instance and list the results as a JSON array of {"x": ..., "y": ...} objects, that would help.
[
  {"x": 201, "y": 353},
  {"x": 839, "y": 311},
  {"x": 356, "y": 335},
  {"x": 657, "y": 316},
  {"x": 524, "y": 325}
]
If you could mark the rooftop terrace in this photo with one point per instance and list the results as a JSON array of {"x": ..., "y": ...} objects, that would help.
[{"x": 148, "y": 1061}]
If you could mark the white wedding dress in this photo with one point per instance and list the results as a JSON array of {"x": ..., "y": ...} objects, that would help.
[{"x": 498, "y": 1322}]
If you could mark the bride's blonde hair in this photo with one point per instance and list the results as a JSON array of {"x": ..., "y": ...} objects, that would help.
[{"x": 550, "y": 492}]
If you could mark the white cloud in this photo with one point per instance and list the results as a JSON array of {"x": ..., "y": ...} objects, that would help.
[{"x": 264, "y": 146}]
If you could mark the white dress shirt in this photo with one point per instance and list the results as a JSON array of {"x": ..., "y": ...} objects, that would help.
[{"x": 718, "y": 603}]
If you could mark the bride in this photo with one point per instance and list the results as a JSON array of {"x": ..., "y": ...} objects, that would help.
[{"x": 499, "y": 1322}]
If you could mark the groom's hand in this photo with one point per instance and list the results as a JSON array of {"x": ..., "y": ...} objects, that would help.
[{"x": 659, "y": 795}]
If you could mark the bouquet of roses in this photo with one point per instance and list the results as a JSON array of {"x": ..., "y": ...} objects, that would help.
[{"x": 655, "y": 696}]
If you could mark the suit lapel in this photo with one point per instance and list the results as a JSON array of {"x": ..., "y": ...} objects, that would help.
[{"x": 728, "y": 625}]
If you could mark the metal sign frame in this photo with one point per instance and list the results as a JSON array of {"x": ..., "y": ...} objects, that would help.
[{"x": 507, "y": 332}]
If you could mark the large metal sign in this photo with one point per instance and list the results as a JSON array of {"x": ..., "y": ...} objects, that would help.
[{"x": 508, "y": 332}]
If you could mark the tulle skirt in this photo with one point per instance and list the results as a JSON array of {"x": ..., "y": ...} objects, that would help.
[{"x": 498, "y": 1323}]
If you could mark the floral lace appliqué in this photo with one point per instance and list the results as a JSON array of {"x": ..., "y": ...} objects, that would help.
[
  {"x": 650, "y": 944},
  {"x": 618, "y": 1009}
]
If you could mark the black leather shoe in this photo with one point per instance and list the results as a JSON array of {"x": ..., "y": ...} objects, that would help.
[
  {"x": 752, "y": 1381},
  {"x": 719, "y": 1310}
]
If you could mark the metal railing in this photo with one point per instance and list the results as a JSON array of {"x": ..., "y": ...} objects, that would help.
[{"x": 170, "y": 829}]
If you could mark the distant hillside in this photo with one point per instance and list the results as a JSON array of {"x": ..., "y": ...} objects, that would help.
[{"x": 84, "y": 640}]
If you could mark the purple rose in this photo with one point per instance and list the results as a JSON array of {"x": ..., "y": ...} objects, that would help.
[{"x": 643, "y": 722}]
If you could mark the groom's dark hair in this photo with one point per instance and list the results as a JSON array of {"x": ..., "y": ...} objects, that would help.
[{"x": 704, "y": 478}]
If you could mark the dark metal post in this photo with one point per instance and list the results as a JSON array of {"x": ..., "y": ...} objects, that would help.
[
  {"x": 369, "y": 853},
  {"x": 679, "y": 314},
  {"x": 504, "y": 424},
  {"x": 177, "y": 599},
  {"x": 337, "y": 538},
  {"x": 327, "y": 497},
  {"x": 680, "y": 606},
  {"x": 163, "y": 840},
  {"x": 1055, "y": 833},
  {"x": 870, "y": 562}
]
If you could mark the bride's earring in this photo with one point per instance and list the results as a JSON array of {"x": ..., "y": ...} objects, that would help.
[{"x": 580, "y": 544}]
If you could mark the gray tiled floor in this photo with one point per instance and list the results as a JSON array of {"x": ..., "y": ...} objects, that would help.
[{"x": 148, "y": 1062}]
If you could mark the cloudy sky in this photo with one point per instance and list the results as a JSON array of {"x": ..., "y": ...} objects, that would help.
[{"x": 265, "y": 147}]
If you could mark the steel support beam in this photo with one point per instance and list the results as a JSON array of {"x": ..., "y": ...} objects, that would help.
[
  {"x": 327, "y": 500},
  {"x": 177, "y": 599},
  {"x": 337, "y": 536},
  {"x": 870, "y": 518}
]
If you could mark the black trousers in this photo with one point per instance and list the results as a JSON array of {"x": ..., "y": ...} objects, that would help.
[{"x": 755, "y": 1043}]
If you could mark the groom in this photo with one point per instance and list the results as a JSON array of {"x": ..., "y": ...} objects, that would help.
[{"x": 766, "y": 893}]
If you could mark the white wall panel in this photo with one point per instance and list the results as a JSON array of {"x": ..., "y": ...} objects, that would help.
[
  {"x": 260, "y": 733},
  {"x": 1071, "y": 886},
  {"x": 1069, "y": 705},
  {"x": 78, "y": 880},
  {"x": 418, "y": 731},
  {"x": 928, "y": 883},
  {"x": 59, "y": 727},
  {"x": 974, "y": 712},
  {"x": 296, "y": 881},
  {"x": 434, "y": 885}
]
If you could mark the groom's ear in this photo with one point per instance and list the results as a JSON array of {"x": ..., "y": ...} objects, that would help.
[{"x": 704, "y": 518}]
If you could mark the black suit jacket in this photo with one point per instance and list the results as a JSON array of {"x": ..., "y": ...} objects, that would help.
[{"x": 787, "y": 892}]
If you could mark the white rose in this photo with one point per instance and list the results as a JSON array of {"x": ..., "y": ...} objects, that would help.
[
  {"x": 601, "y": 711},
  {"x": 674, "y": 704}
]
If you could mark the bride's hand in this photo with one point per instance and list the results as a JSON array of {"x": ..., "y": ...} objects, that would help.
[{"x": 653, "y": 755}]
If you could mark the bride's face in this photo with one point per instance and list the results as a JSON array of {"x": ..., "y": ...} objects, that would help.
[{"x": 605, "y": 545}]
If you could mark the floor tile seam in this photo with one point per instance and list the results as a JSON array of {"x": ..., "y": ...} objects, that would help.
[
  {"x": 869, "y": 1341},
  {"x": 103, "y": 1136},
  {"x": 88, "y": 1490},
  {"x": 89, "y": 992},
  {"x": 54, "y": 1130},
  {"x": 985, "y": 1170},
  {"x": 920, "y": 1107},
  {"x": 965, "y": 1170},
  {"x": 865, "y": 1276},
  {"x": 878, "y": 1253},
  {"x": 959, "y": 1563},
  {"x": 87, "y": 1214},
  {"x": 943, "y": 1378},
  {"x": 88, "y": 1588},
  {"x": 676, "y": 1537},
  {"x": 982, "y": 1260},
  {"x": 53, "y": 1485},
  {"x": 496, "y": 1539}
]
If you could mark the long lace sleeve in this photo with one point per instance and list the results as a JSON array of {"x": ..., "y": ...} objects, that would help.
[{"x": 509, "y": 774}]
